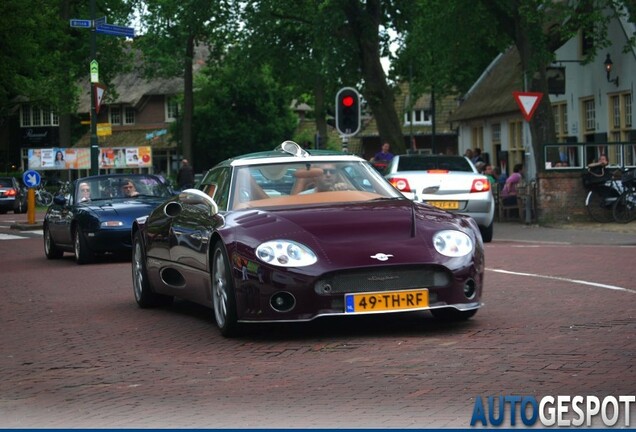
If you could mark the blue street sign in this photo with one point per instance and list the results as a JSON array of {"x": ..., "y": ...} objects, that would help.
[
  {"x": 81, "y": 23},
  {"x": 31, "y": 178},
  {"x": 115, "y": 30},
  {"x": 100, "y": 21}
]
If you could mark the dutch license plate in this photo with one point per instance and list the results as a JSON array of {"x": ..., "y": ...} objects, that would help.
[
  {"x": 386, "y": 301},
  {"x": 445, "y": 205}
]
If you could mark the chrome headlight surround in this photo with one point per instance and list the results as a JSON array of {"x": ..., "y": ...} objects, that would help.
[
  {"x": 453, "y": 243},
  {"x": 285, "y": 253}
]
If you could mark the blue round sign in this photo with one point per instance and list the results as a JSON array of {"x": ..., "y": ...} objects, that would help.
[{"x": 31, "y": 178}]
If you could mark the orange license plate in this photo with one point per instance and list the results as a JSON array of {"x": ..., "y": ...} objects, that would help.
[
  {"x": 386, "y": 301},
  {"x": 445, "y": 205}
]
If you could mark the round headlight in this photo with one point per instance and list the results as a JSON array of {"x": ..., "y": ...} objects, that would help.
[
  {"x": 265, "y": 253},
  {"x": 452, "y": 243},
  {"x": 286, "y": 253}
]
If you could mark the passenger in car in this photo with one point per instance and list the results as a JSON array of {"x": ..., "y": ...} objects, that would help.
[{"x": 84, "y": 192}]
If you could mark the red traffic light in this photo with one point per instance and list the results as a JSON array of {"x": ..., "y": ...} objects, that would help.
[{"x": 348, "y": 101}]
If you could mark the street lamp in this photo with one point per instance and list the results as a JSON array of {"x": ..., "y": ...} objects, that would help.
[{"x": 608, "y": 68}]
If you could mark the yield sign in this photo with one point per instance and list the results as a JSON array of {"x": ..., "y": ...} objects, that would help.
[
  {"x": 528, "y": 102},
  {"x": 99, "y": 90}
]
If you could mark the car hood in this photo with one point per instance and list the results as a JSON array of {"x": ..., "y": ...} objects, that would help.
[
  {"x": 340, "y": 232},
  {"x": 121, "y": 207}
]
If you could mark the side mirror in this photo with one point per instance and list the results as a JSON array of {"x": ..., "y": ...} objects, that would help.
[{"x": 195, "y": 196}]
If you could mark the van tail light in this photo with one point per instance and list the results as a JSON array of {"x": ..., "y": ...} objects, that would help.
[
  {"x": 400, "y": 184},
  {"x": 10, "y": 193},
  {"x": 480, "y": 185}
]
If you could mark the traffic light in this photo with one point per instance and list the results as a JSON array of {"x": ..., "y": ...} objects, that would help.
[{"x": 348, "y": 111}]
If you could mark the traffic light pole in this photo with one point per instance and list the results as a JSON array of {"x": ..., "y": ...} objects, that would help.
[{"x": 345, "y": 143}]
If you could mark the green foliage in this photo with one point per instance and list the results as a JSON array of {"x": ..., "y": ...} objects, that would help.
[
  {"x": 447, "y": 45},
  {"x": 43, "y": 58},
  {"x": 235, "y": 115}
]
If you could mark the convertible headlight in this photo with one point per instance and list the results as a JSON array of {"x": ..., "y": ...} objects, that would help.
[
  {"x": 285, "y": 253},
  {"x": 112, "y": 224},
  {"x": 452, "y": 243}
]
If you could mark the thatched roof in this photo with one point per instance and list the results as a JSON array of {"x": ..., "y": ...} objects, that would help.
[
  {"x": 491, "y": 95},
  {"x": 131, "y": 87}
]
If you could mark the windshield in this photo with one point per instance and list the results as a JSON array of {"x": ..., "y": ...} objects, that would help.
[
  {"x": 115, "y": 187},
  {"x": 289, "y": 184}
]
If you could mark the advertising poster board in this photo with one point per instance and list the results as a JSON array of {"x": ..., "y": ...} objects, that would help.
[{"x": 58, "y": 158}]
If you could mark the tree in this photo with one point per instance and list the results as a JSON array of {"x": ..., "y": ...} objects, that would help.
[
  {"x": 49, "y": 58},
  {"x": 237, "y": 116},
  {"x": 456, "y": 37},
  {"x": 321, "y": 46},
  {"x": 538, "y": 28},
  {"x": 172, "y": 30}
]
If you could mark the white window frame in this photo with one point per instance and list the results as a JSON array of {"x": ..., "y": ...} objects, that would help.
[
  {"x": 129, "y": 111},
  {"x": 111, "y": 115},
  {"x": 30, "y": 115},
  {"x": 172, "y": 108},
  {"x": 423, "y": 117}
]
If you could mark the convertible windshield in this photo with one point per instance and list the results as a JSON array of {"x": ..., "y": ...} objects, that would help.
[
  {"x": 288, "y": 184},
  {"x": 112, "y": 187}
]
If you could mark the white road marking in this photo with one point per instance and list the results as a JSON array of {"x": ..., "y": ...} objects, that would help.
[
  {"x": 11, "y": 237},
  {"x": 577, "y": 281}
]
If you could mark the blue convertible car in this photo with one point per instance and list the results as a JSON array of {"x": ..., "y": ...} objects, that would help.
[{"x": 95, "y": 216}]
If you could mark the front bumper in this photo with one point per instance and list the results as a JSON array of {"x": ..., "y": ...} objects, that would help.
[
  {"x": 306, "y": 298},
  {"x": 109, "y": 240}
]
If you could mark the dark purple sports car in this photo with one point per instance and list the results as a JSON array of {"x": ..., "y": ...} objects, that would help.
[{"x": 290, "y": 235}]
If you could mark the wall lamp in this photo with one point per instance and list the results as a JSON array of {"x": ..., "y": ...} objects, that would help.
[{"x": 608, "y": 68}]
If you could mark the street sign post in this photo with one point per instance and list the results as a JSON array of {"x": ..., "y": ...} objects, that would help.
[
  {"x": 31, "y": 179},
  {"x": 94, "y": 71},
  {"x": 528, "y": 102},
  {"x": 81, "y": 23},
  {"x": 115, "y": 30},
  {"x": 98, "y": 25}
]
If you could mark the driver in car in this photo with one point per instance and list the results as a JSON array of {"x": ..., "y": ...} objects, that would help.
[
  {"x": 327, "y": 181},
  {"x": 128, "y": 189}
]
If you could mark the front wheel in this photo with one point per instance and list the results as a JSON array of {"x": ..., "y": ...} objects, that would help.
[
  {"x": 487, "y": 232},
  {"x": 19, "y": 207},
  {"x": 223, "y": 297},
  {"x": 50, "y": 249},
  {"x": 144, "y": 296},
  {"x": 83, "y": 254},
  {"x": 599, "y": 203},
  {"x": 624, "y": 209}
]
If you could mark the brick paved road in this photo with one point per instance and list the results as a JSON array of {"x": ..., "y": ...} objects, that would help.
[{"x": 77, "y": 352}]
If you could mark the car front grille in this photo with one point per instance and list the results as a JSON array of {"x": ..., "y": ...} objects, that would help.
[{"x": 382, "y": 279}]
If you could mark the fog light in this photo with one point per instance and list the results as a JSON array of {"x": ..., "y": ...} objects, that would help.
[
  {"x": 282, "y": 302},
  {"x": 470, "y": 289}
]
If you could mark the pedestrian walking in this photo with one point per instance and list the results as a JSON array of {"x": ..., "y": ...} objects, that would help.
[{"x": 185, "y": 176}]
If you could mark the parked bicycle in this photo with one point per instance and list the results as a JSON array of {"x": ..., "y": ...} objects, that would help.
[
  {"x": 624, "y": 208},
  {"x": 603, "y": 191},
  {"x": 42, "y": 196}
]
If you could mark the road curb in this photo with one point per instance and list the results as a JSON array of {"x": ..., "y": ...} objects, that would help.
[{"x": 26, "y": 226}]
